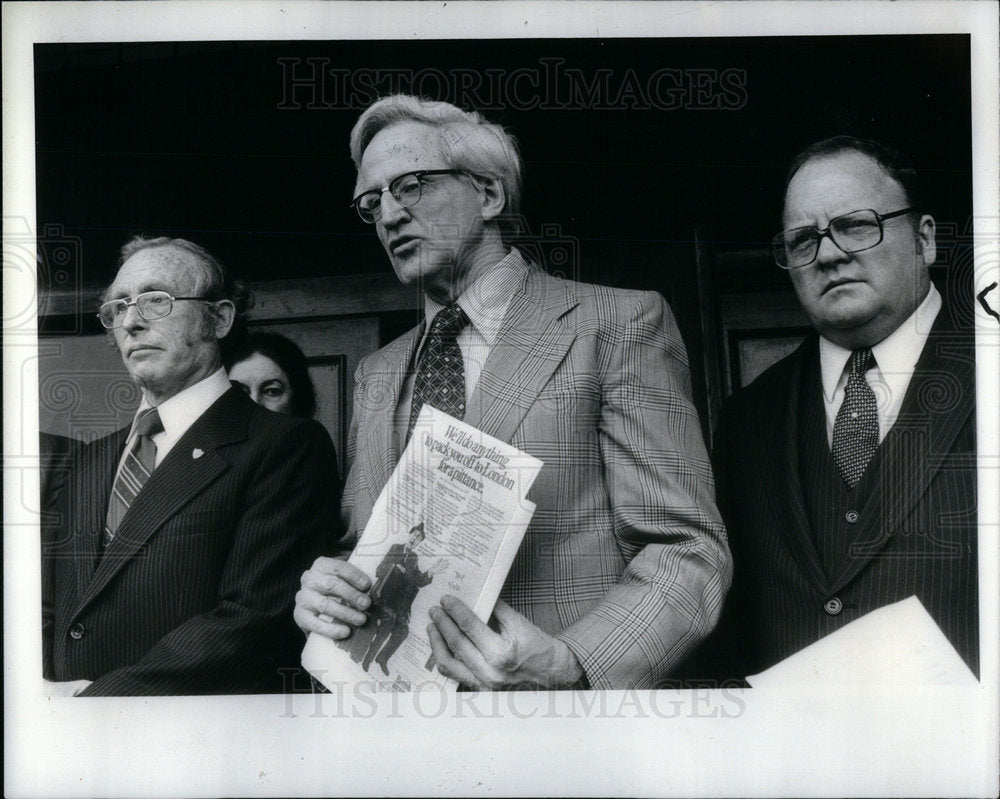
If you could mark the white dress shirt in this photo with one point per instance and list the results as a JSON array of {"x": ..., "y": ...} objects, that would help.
[
  {"x": 895, "y": 358},
  {"x": 180, "y": 412}
]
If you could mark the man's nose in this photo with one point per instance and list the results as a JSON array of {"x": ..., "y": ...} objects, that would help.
[
  {"x": 828, "y": 253},
  {"x": 392, "y": 210},
  {"x": 133, "y": 319}
]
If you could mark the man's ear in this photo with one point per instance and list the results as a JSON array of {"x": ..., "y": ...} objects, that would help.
[
  {"x": 225, "y": 315},
  {"x": 493, "y": 198},
  {"x": 925, "y": 239}
]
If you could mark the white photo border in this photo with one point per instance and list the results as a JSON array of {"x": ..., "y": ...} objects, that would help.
[{"x": 879, "y": 741}]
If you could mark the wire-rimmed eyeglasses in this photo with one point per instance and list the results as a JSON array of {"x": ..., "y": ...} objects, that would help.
[
  {"x": 852, "y": 232},
  {"x": 150, "y": 305},
  {"x": 405, "y": 190}
]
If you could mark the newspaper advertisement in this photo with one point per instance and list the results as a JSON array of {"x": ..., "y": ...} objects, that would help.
[{"x": 449, "y": 521}]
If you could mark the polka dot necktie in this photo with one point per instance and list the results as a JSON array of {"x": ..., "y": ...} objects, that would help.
[
  {"x": 440, "y": 379},
  {"x": 135, "y": 471},
  {"x": 855, "y": 431}
]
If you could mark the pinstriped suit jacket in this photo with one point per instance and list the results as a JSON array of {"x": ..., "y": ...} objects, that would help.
[
  {"x": 195, "y": 593},
  {"x": 916, "y": 531},
  {"x": 626, "y": 557}
]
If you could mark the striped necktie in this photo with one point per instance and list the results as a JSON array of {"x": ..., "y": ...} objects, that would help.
[
  {"x": 135, "y": 471},
  {"x": 440, "y": 379},
  {"x": 855, "y": 430}
]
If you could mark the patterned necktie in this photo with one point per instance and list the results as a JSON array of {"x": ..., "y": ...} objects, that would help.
[
  {"x": 855, "y": 432},
  {"x": 135, "y": 471},
  {"x": 440, "y": 379}
]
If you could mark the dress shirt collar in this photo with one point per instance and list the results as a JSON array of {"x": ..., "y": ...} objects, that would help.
[
  {"x": 895, "y": 355},
  {"x": 183, "y": 409},
  {"x": 485, "y": 302}
]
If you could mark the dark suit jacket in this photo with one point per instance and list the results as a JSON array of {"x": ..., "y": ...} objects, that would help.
[
  {"x": 916, "y": 531},
  {"x": 55, "y": 459},
  {"x": 625, "y": 559},
  {"x": 195, "y": 593}
]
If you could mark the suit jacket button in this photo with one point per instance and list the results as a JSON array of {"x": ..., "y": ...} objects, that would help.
[
  {"x": 76, "y": 631},
  {"x": 833, "y": 606},
  {"x": 852, "y": 516}
]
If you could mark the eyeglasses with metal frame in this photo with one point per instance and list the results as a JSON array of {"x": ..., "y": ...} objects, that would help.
[
  {"x": 405, "y": 190},
  {"x": 852, "y": 232},
  {"x": 150, "y": 305}
]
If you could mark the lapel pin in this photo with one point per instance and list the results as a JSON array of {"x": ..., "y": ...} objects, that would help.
[{"x": 197, "y": 454}]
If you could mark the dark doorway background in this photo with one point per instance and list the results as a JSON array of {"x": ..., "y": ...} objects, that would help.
[
  {"x": 192, "y": 138},
  {"x": 649, "y": 163}
]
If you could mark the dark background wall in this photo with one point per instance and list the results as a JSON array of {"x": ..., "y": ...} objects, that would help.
[{"x": 649, "y": 163}]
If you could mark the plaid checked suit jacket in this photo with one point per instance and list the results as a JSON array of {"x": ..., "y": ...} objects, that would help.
[
  {"x": 626, "y": 558},
  {"x": 195, "y": 593},
  {"x": 915, "y": 531}
]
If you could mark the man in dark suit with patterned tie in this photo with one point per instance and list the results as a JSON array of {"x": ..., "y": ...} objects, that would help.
[
  {"x": 624, "y": 565},
  {"x": 847, "y": 471},
  {"x": 186, "y": 532}
]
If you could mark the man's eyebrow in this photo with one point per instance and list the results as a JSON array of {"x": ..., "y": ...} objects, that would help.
[{"x": 122, "y": 294}]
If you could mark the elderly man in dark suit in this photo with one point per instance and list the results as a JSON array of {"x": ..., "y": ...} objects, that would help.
[
  {"x": 185, "y": 532},
  {"x": 624, "y": 565},
  {"x": 847, "y": 472}
]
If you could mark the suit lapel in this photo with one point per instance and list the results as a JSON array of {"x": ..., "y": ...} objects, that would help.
[
  {"x": 97, "y": 476},
  {"x": 178, "y": 479},
  {"x": 913, "y": 451},
  {"x": 533, "y": 341},
  {"x": 385, "y": 373},
  {"x": 782, "y": 467}
]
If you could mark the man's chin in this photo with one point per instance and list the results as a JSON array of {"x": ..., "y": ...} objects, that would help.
[
  {"x": 852, "y": 330},
  {"x": 142, "y": 377},
  {"x": 408, "y": 270},
  {"x": 429, "y": 278}
]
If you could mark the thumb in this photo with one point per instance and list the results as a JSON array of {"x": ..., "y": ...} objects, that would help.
[{"x": 506, "y": 616}]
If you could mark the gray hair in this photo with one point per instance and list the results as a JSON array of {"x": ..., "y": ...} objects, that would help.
[
  {"x": 217, "y": 282},
  {"x": 470, "y": 143}
]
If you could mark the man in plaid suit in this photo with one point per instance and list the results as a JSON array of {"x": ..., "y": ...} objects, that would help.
[{"x": 624, "y": 566}]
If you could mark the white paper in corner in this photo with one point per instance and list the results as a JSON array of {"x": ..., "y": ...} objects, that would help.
[{"x": 899, "y": 644}]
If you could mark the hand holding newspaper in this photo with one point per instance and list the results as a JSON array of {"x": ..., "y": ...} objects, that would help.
[{"x": 449, "y": 521}]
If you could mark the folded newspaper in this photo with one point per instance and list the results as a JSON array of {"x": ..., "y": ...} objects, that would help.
[{"x": 449, "y": 521}]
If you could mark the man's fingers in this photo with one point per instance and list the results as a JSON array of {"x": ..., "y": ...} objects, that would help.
[
  {"x": 311, "y": 602},
  {"x": 471, "y": 657},
  {"x": 340, "y": 580},
  {"x": 332, "y": 599},
  {"x": 323, "y": 568},
  {"x": 446, "y": 662},
  {"x": 508, "y": 618},
  {"x": 309, "y": 622},
  {"x": 482, "y": 637}
]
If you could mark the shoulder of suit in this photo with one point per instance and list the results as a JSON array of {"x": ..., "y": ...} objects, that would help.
[
  {"x": 594, "y": 295},
  {"x": 390, "y": 354},
  {"x": 263, "y": 421}
]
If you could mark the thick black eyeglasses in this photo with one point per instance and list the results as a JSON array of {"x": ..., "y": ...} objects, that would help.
[
  {"x": 149, "y": 304},
  {"x": 853, "y": 232},
  {"x": 406, "y": 190}
]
